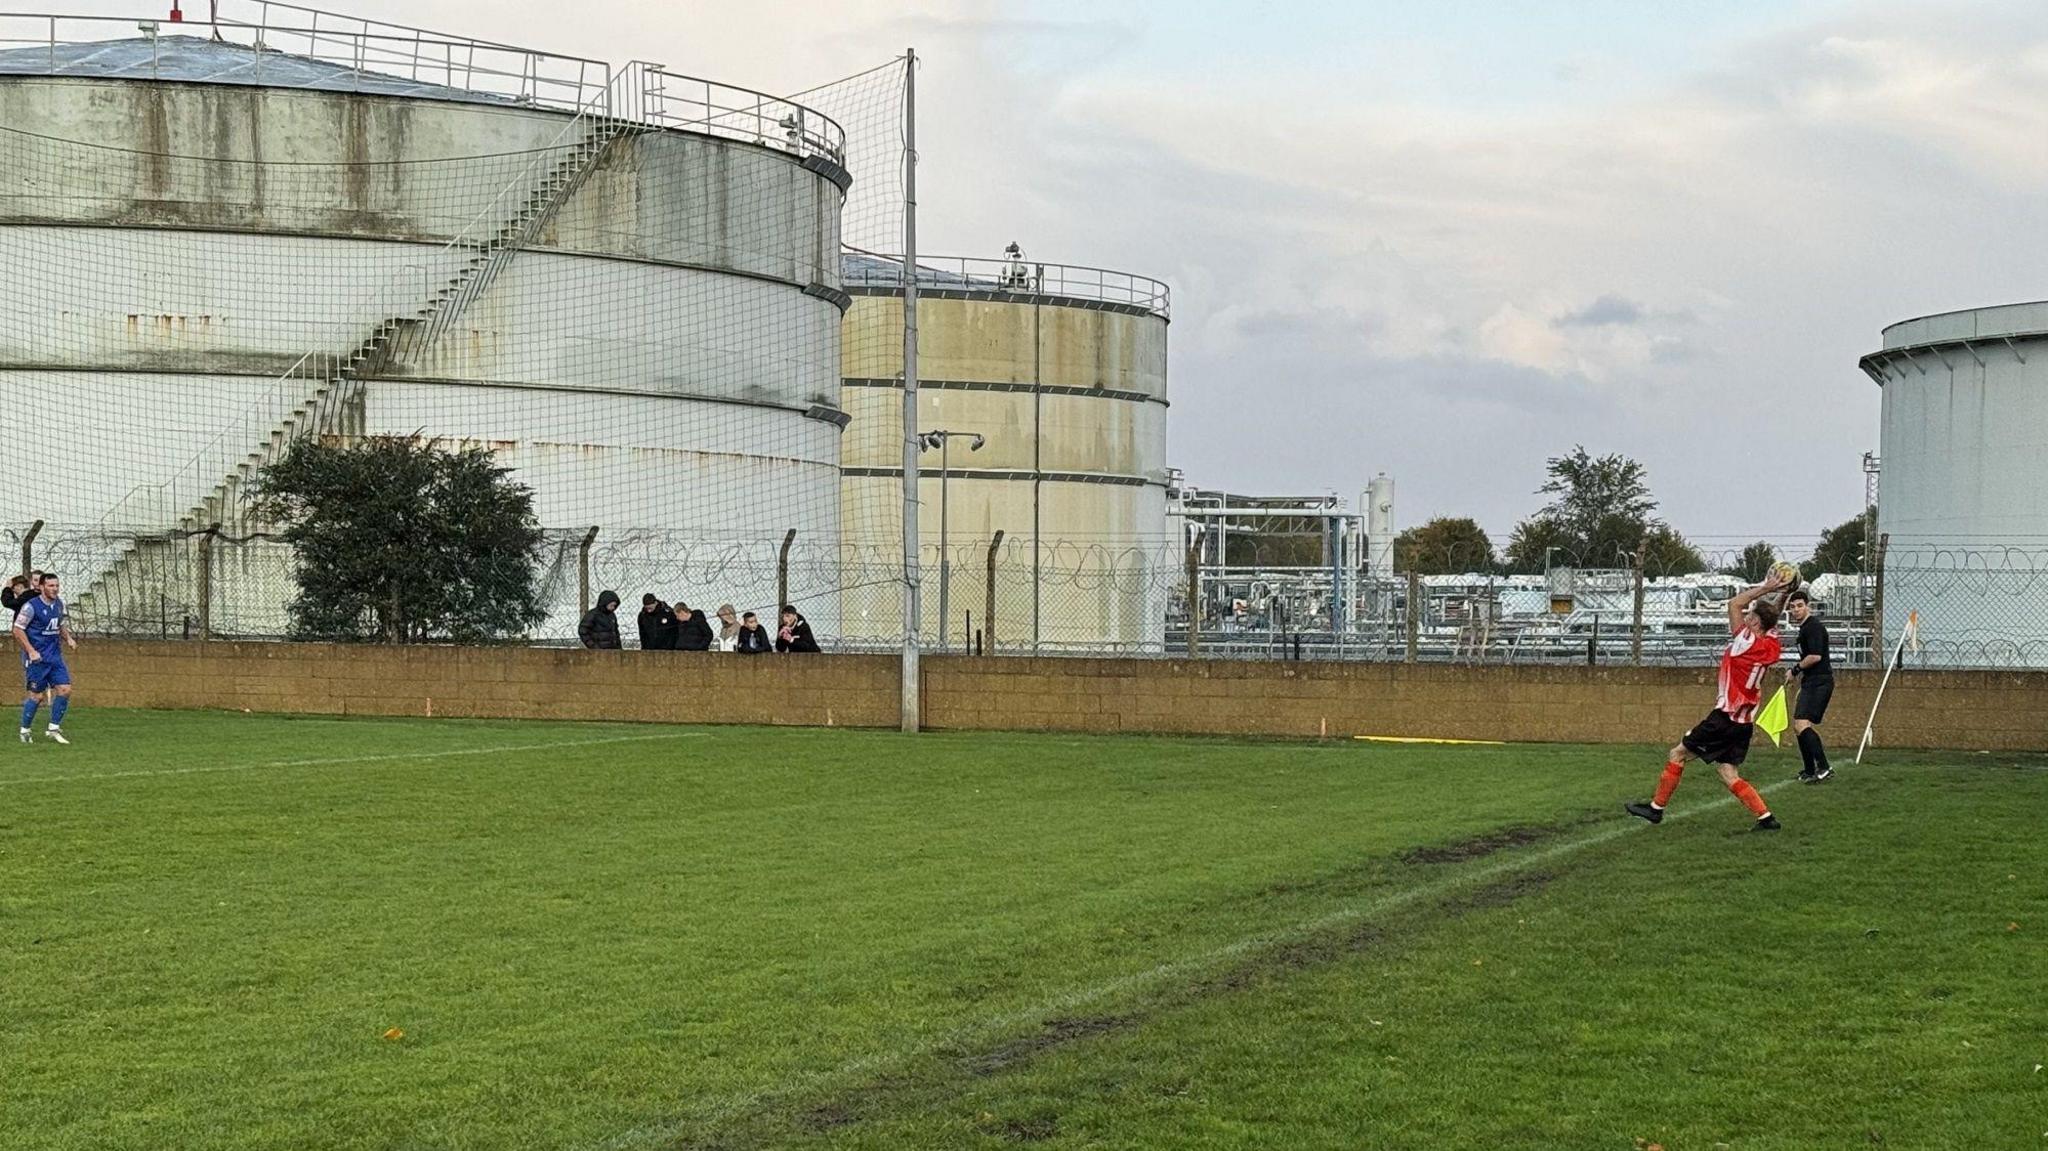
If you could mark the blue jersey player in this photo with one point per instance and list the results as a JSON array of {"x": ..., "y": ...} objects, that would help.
[{"x": 42, "y": 635}]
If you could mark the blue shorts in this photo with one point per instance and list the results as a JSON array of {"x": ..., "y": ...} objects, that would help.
[{"x": 45, "y": 674}]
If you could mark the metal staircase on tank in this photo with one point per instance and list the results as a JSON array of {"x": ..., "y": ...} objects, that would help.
[{"x": 139, "y": 570}]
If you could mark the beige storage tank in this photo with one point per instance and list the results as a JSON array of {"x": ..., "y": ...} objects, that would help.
[{"x": 1059, "y": 372}]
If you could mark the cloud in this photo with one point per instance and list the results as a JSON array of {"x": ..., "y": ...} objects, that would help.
[{"x": 1607, "y": 309}]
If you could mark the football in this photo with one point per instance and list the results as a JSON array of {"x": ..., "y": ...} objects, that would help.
[{"x": 1786, "y": 571}]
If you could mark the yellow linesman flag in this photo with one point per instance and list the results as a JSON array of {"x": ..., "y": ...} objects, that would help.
[{"x": 1774, "y": 719}]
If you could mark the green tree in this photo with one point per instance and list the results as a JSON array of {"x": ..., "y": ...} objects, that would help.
[
  {"x": 1444, "y": 546},
  {"x": 1755, "y": 562},
  {"x": 1534, "y": 539},
  {"x": 1597, "y": 499},
  {"x": 1666, "y": 553},
  {"x": 1598, "y": 515},
  {"x": 1841, "y": 549},
  {"x": 401, "y": 540}
]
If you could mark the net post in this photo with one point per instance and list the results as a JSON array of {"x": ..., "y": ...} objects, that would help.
[
  {"x": 1635, "y": 640},
  {"x": 1195, "y": 595},
  {"x": 1414, "y": 616},
  {"x": 28, "y": 546},
  {"x": 988, "y": 613},
  {"x": 912, "y": 607},
  {"x": 205, "y": 581},
  {"x": 782, "y": 570},
  {"x": 583, "y": 571}
]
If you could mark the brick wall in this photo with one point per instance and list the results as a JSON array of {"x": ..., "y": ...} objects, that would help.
[
  {"x": 519, "y": 683},
  {"x": 1989, "y": 710},
  {"x": 1964, "y": 710}
]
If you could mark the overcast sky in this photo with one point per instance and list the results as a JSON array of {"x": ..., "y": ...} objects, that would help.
[{"x": 1447, "y": 240}]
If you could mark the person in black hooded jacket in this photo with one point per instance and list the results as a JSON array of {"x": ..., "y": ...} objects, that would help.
[
  {"x": 657, "y": 625},
  {"x": 20, "y": 589},
  {"x": 600, "y": 627},
  {"x": 795, "y": 636},
  {"x": 693, "y": 631}
]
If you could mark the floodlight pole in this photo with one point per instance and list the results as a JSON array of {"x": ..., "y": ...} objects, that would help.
[{"x": 912, "y": 607}]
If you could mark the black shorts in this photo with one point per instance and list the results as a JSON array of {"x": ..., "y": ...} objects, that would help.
[
  {"x": 1813, "y": 698},
  {"x": 1719, "y": 739}
]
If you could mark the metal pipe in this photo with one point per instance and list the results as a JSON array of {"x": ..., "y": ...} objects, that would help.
[
  {"x": 1037, "y": 458},
  {"x": 945, "y": 553},
  {"x": 911, "y": 688}
]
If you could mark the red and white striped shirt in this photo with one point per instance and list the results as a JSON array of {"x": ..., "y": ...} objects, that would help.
[{"x": 1749, "y": 655}]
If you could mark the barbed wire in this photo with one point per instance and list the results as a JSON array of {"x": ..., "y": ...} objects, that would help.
[{"x": 1978, "y": 606}]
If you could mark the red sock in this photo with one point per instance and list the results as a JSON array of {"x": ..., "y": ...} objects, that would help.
[
  {"x": 1750, "y": 799},
  {"x": 1668, "y": 783}
]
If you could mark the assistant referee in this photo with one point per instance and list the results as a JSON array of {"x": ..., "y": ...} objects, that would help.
[{"x": 1814, "y": 676}]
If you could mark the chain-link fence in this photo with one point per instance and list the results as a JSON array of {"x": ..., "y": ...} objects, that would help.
[{"x": 1977, "y": 606}]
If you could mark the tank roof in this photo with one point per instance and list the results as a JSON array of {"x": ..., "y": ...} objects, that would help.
[
  {"x": 195, "y": 59},
  {"x": 1996, "y": 322}
]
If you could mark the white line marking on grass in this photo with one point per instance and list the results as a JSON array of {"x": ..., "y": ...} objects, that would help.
[
  {"x": 346, "y": 759},
  {"x": 723, "y": 1107}
]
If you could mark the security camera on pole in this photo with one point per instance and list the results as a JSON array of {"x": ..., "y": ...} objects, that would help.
[{"x": 941, "y": 440}]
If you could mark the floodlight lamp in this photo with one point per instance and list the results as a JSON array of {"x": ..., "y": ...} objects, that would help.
[{"x": 976, "y": 445}]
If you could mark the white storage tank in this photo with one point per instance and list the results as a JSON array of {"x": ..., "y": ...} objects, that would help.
[
  {"x": 1964, "y": 494},
  {"x": 625, "y": 282}
]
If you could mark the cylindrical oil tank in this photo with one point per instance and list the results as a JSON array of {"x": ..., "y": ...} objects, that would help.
[
  {"x": 1963, "y": 492},
  {"x": 1060, "y": 371},
  {"x": 203, "y": 262}
]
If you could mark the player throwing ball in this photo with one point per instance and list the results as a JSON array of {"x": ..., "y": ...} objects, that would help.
[
  {"x": 42, "y": 635},
  {"x": 1722, "y": 738}
]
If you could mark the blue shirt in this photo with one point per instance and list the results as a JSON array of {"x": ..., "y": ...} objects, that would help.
[{"x": 39, "y": 619}]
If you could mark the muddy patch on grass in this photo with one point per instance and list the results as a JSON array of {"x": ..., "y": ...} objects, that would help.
[
  {"x": 1497, "y": 894},
  {"x": 1051, "y": 1034},
  {"x": 1481, "y": 846},
  {"x": 1030, "y": 1129},
  {"x": 828, "y": 1117},
  {"x": 1286, "y": 959}
]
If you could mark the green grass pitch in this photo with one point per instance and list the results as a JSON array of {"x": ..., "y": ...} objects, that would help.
[{"x": 230, "y": 931}]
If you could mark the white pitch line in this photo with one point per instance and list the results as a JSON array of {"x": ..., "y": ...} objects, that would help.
[
  {"x": 720, "y": 1108},
  {"x": 347, "y": 759}
]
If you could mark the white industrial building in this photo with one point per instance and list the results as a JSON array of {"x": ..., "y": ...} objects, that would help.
[{"x": 1964, "y": 499}]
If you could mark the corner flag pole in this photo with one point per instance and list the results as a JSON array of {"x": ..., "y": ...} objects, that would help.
[{"x": 1912, "y": 632}]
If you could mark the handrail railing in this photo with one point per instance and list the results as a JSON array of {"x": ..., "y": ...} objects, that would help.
[
  {"x": 161, "y": 506},
  {"x": 374, "y": 54},
  {"x": 1024, "y": 277}
]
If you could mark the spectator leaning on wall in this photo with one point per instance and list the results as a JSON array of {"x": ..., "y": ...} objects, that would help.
[
  {"x": 795, "y": 635},
  {"x": 16, "y": 594},
  {"x": 752, "y": 638},
  {"x": 657, "y": 625},
  {"x": 694, "y": 633},
  {"x": 600, "y": 627}
]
